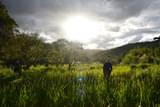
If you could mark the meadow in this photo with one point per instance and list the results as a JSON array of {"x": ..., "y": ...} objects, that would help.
[{"x": 84, "y": 86}]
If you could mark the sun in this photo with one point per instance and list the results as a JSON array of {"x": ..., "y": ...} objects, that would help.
[{"x": 80, "y": 28}]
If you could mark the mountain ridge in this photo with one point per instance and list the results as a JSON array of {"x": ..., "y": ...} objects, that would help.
[{"x": 117, "y": 53}]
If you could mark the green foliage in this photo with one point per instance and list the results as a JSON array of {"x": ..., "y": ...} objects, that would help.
[
  {"x": 7, "y": 26},
  {"x": 64, "y": 52},
  {"x": 54, "y": 86},
  {"x": 117, "y": 54},
  {"x": 142, "y": 55},
  {"x": 82, "y": 88},
  {"x": 23, "y": 50},
  {"x": 6, "y": 22},
  {"x": 5, "y": 72}
]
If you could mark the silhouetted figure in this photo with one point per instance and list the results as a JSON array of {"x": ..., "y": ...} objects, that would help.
[
  {"x": 107, "y": 69},
  {"x": 17, "y": 67}
]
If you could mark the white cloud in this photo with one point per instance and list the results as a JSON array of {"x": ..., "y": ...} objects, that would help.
[
  {"x": 90, "y": 46},
  {"x": 124, "y": 21}
]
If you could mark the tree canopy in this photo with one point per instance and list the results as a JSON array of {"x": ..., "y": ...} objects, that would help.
[{"x": 142, "y": 55}]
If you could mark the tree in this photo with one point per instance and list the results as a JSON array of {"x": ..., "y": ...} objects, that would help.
[
  {"x": 22, "y": 51},
  {"x": 56, "y": 52},
  {"x": 7, "y": 24},
  {"x": 64, "y": 52},
  {"x": 156, "y": 38},
  {"x": 142, "y": 55}
]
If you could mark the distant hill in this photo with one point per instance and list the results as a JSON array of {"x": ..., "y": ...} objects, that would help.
[
  {"x": 116, "y": 54},
  {"x": 90, "y": 54}
]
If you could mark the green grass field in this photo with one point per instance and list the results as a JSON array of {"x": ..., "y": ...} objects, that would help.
[{"x": 84, "y": 86}]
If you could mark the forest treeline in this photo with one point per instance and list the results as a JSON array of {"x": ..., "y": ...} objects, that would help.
[{"x": 21, "y": 50}]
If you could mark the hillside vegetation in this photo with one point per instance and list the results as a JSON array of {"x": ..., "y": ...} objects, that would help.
[
  {"x": 117, "y": 54},
  {"x": 142, "y": 55},
  {"x": 34, "y": 73}
]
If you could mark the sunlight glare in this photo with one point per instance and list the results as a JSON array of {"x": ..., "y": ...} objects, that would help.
[{"x": 80, "y": 28}]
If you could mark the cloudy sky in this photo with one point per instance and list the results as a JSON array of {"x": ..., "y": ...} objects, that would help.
[{"x": 122, "y": 21}]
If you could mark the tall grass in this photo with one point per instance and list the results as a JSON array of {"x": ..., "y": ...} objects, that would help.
[{"x": 82, "y": 88}]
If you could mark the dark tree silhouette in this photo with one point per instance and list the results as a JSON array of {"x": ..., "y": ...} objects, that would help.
[{"x": 156, "y": 38}]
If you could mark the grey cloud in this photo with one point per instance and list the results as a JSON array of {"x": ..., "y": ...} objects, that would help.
[
  {"x": 129, "y": 8},
  {"x": 108, "y": 41},
  {"x": 113, "y": 9},
  {"x": 136, "y": 39},
  {"x": 113, "y": 29},
  {"x": 119, "y": 10},
  {"x": 44, "y": 16},
  {"x": 140, "y": 31},
  {"x": 114, "y": 42},
  {"x": 153, "y": 20},
  {"x": 103, "y": 41},
  {"x": 20, "y": 6}
]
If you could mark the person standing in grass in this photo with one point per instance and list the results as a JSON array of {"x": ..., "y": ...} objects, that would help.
[{"x": 107, "y": 69}]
